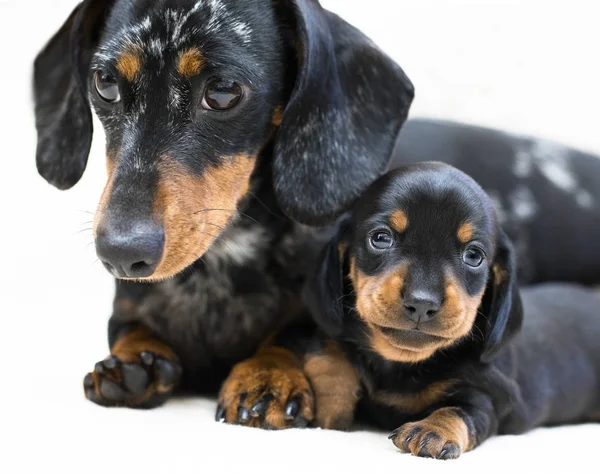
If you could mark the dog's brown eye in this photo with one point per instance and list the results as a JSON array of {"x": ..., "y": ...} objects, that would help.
[
  {"x": 473, "y": 257},
  {"x": 221, "y": 95},
  {"x": 381, "y": 240},
  {"x": 107, "y": 87}
]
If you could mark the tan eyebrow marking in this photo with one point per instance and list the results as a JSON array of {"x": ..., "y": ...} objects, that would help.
[
  {"x": 465, "y": 232},
  {"x": 129, "y": 64},
  {"x": 191, "y": 62},
  {"x": 399, "y": 221}
]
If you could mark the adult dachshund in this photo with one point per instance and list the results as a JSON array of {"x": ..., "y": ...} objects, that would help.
[
  {"x": 419, "y": 290},
  {"x": 230, "y": 127}
]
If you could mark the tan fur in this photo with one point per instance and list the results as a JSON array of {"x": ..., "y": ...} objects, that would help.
[
  {"x": 129, "y": 64},
  {"x": 277, "y": 116},
  {"x": 447, "y": 426},
  {"x": 465, "y": 233},
  {"x": 190, "y": 62},
  {"x": 181, "y": 205},
  {"x": 416, "y": 402},
  {"x": 336, "y": 387},
  {"x": 399, "y": 221},
  {"x": 275, "y": 369},
  {"x": 106, "y": 193},
  {"x": 379, "y": 303}
]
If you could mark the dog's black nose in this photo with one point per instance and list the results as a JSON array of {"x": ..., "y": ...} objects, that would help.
[
  {"x": 132, "y": 250},
  {"x": 421, "y": 307}
]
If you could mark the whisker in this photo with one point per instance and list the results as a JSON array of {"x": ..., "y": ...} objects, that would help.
[
  {"x": 265, "y": 206},
  {"x": 229, "y": 210}
]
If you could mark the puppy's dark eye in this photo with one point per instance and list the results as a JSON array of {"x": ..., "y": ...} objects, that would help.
[
  {"x": 107, "y": 87},
  {"x": 381, "y": 240},
  {"x": 221, "y": 95},
  {"x": 473, "y": 257}
]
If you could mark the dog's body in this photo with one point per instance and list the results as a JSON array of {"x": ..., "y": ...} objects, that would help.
[
  {"x": 419, "y": 289},
  {"x": 230, "y": 126}
]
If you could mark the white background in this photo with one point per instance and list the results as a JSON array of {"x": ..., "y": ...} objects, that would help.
[{"x": 529, "y": 66}]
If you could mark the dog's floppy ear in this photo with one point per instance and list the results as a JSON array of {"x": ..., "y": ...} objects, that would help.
[
  {"x": 342, "y": 120},
  {"x": 324, "y": 288},
  {"x": 501, "y": 302},
  {"x": 62, "y": 110}
]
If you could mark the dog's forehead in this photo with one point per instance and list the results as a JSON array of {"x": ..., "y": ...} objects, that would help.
[{"x": 157, "y": 28}]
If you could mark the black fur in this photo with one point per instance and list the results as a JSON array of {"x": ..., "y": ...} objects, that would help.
[{"x": 531, "y": 357}]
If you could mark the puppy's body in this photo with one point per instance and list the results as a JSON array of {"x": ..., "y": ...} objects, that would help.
[
  {"x": 419, "y": 290},
  {"x": 548, "y": 375}
]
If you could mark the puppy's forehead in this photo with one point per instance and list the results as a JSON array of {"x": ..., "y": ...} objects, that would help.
[
  {"x": 431, "y": 195},
  {"x": 160, "y": 27}
]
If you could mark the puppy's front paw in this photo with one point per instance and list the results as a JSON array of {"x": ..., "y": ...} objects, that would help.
[
  {"x": 269, "y": 391},
  {"x": 143, "y": 380},
  {"x": 442, "y": 435}
]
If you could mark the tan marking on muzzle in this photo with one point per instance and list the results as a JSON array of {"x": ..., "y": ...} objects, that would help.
[
  {"x": 195, "y": 209},
  {"x": 379, "y": 303}
]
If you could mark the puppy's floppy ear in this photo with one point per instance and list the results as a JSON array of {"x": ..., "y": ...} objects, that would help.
[
  {"x": 62, "y": 111},
  {"x": 501, "y": 302},
  {"x": 342, "y": 119},
  {"x": 324, "y": 288}
]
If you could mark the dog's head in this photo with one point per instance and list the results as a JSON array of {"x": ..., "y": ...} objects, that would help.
[
  {"x": 194, "y": 95},
  {"x": 427, "y": 265}
]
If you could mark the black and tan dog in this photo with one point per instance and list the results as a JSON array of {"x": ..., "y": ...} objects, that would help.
[
  {"x": 230, "y": 125},
  {"x": 419, "y": 290}
]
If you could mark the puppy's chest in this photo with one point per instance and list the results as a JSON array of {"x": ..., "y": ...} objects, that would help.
[
  {"x": 398, "y": 394},
  {"x": 242, "y": 290}
]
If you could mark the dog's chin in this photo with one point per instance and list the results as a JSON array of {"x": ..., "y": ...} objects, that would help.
[{"x": 406, "y": 345}]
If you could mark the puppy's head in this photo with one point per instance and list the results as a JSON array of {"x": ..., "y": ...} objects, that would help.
[
  {"x": 427, "y": 266},
  {"x": 194, "y": 96}
]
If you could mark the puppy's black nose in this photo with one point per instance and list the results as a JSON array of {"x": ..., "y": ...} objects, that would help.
[
  {"x": 132, "y": 250},
  {"x": 421, "y": 307}
]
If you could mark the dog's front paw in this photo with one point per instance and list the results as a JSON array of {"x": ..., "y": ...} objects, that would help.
[
  {"x": 144, "y": 380},
  {"x": 442, "y": 435},
  {"x": 268, "y": 391}
]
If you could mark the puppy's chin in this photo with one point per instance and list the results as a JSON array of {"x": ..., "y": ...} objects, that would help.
[{"x": 408, "y": 346}]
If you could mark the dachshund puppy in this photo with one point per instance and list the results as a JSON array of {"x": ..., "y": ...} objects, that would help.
[
  {"x": 546, "y": 195},
  {"x": 419, "y": 290}
]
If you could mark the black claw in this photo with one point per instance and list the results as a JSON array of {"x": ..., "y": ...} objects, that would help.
[
  {"x": 424, "y": 453},
  {"x": 243, "y": 415},
  {"x": 88, "y": 381},
  {"x": 292, "y": 409},
  {"x": 165, "y": 372},
  {"x": 394, "y": 433},
  {"x": 111, "y": 362},
  {"x": 220, "y": 415},
  {"x": 135, "y": 378},
  {"x": 443, "y": 453},
  {"x": 405, "y": 443},
  {"x": 260, "y": 408},
  {"x": 147, "y": 357},
  {"x": 99, "y": 368},
  {"x": 111, "y": 391}
]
